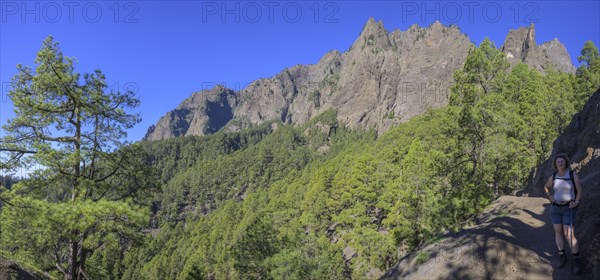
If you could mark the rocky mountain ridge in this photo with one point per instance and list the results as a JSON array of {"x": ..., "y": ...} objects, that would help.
[{"x": 383, "y": 79}]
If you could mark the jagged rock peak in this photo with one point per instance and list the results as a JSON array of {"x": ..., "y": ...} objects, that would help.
[
  {"x": 434, "y": 28},
  {"x": 520, "y": 46},
  {"x": 202, "y": 113},
  {"x": 373, "y": 27},
  {"x": 330, "y": 55},
  {"x": 556, "y": 51},
  {"x": 414, "y": 27},
  {"x": 437, "y": 28},
  {"x": 529, "y": 42},
  {"x": 382, "y": 80},
  {"x": 518, "y": 43},
  {"x": 436, "y": 25},
  {"x": 373, "y": 34}
]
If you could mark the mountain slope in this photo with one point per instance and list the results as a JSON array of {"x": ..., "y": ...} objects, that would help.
[
  {"x": 514, "y": 238},
  {"x": 581, "y": 142},
  {"x": 383, "y": 79}
]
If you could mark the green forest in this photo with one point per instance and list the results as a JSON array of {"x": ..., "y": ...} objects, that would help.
[{"x": 275, "y": 201}]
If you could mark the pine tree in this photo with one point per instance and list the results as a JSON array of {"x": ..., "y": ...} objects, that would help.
[
  {"x": 475, "y": 100},
  {"x": 85, "y": 191},
  {"x": 588, "y": 73}
]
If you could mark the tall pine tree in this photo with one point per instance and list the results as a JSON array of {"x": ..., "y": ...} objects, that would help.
[{"x": 83, "y": 192}]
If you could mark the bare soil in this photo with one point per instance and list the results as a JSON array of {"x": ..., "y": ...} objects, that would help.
[{"x": 512, "y": 239}]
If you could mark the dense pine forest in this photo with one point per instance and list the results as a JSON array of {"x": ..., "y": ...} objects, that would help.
[{"x": 275, "y": 201}]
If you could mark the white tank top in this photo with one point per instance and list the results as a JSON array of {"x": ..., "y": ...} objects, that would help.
[{"x": 563, "y": 188}]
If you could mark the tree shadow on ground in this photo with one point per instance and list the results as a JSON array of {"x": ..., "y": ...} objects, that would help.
[{"x": 509, "y": 242}]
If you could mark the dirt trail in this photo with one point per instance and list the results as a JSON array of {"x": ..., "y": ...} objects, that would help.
[{"x": 512, "y": 239}]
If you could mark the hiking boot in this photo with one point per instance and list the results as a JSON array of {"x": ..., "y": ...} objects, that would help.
[
  {"x": 577, "y": 266},
  {"x": 562, "y": 260}
]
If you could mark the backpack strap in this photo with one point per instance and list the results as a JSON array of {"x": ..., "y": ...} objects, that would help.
[
  {"x": 571, "y": 177},
  {"x": 573, "y": 181}
]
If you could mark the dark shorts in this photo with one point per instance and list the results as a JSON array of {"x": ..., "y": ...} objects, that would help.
[{"x": 563, "y": 215}]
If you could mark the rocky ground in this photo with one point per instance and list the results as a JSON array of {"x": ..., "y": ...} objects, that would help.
[{"x": 512, "y": 239}]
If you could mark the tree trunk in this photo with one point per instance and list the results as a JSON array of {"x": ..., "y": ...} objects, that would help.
[
  {"x": 74, "y": 264},
  {"x": 81, "y": 268},
  {"x": 73, "y": 268}
]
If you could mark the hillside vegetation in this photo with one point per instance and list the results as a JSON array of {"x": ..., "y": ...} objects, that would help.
[{"x": 322, "y": 201}]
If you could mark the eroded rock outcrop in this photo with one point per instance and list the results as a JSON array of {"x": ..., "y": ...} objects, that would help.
[
  {"x": 581, "y": 142},
  {"x": 383, "y": 79},
  {"x": 520, "y": 46},
  {"x": 203, "y": 113}
]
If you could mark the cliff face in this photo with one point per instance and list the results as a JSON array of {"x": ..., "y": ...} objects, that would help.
[
  {"x": 203, "y": 113},
  {"x": 520, "y": 46},
  {"x": 382, "y": 80},
  {"x": 581, "y": 142}
]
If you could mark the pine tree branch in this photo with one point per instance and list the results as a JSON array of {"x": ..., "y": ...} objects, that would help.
[
  {"x": 60, "y": 268},
  {"x": 6, "y": 202}
]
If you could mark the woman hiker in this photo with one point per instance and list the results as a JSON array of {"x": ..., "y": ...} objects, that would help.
[{"x": 565, "y": 199}]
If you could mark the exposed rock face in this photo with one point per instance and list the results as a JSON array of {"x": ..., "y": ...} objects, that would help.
[
  {"x": 203, "y": 113},
  {"x": 520, "y": 46},
  {"x": 382, "y": 80},
  {"x": 513, "y": 237},
  {"x": 581, "y": 142}
]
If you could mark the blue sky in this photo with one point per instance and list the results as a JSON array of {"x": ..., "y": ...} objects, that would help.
[{"x": 165, "y": 51}]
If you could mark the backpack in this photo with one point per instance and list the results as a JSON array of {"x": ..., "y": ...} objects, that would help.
[{"x": 570, "y": 177}]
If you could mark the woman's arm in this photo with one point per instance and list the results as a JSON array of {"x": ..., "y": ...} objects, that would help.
[{"x": 547, "y": 188}]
